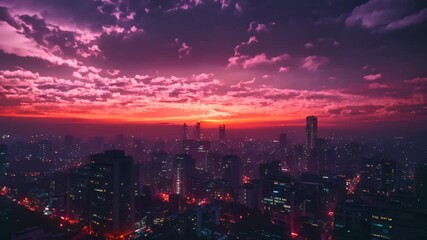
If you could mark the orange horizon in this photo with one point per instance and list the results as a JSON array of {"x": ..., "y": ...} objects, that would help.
[{"x": 235, "y": 123}]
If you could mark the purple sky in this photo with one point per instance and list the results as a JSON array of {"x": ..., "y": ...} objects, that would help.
[{"x": 242, "y": 63}]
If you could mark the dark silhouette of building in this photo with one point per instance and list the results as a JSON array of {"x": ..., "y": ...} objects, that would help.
[
  {"x": 185, "y": 132},
  {"x": 311, "y": 131},
  {"x": 283, "y": 140},
  {"x": 197, "y": 131},
  {"x": 183, "y": 169},
  {"x": 421, "y": 184},
  {"x": 112, "y": 213},
  {"x": 4, "y": 161},
  {"x": 214, "y": 165},
  {"x": 222, "y": 132},
  {"x": 378, "y": 176},
  {"x": 199, "y": 152},
  {"x": 77, "y": 195},
  {"x": 231, "y": 167}
]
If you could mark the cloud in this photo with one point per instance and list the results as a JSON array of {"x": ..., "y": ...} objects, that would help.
[
  {"x": 355, "y": 110},
  {"x": 184, "y": 49},
  {"x": 372, "y": 77},
  {"x": 255, "y": 61},
  {"x": 284, "y": 69},
  {"x": 417, "y": 80},
  {"x": 262, "y": 58},
  {"x": 112, "y": 30},
  {"x": 250, "y": 41},
  {"x": 308, "y": 45},
  {"x": 385, "y": 15},
  {"x": 413, "y": 19},
  {"x": 313, "y": 63},
  {"x": 7, "y": 17},
  {"x": 90, "y": 58},
  {"x": 238, "y": 8},
  {"x": 20, "y": 74},
  {"x": 378, "y": 86},
  {"x": 256, "y": 26},
  {"x": 203, "y": 76}
]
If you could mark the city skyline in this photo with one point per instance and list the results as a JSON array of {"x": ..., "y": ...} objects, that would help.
[
  {"x": 239, "y": 63},
  {"x": 213, "y": 119}
]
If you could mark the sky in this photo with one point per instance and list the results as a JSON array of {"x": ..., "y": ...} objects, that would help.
[{"x": 237, "y": 62}]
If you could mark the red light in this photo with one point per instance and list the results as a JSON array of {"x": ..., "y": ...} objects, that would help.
[
  {"x": 330, "y": 213},
  {"x": 164, "y": 197},
  {"x": 246, "y": 179},
  {"x": 294, "y": 235}
]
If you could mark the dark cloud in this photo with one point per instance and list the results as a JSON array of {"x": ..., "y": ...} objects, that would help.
[
  {"x": 205, "y": 55},
  {"x": 355, "y": 110},
  {"x": 6, "y": 16},
  {"x": 387, "y": 15}
]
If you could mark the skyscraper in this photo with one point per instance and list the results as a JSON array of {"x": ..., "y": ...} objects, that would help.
[
  {"x": 185, "y": 131},
  {"x": 4, "y": 163},
  {"x": 231, "y": 167},
  {"x": 183, "y": 169},
  {"x": 77, "y": 189},
  {"x": 311, "y": 131},
  {"x": 222, "y": 132},
  {"x": 111, "y": 195},
  {"x": 198, "y": 150},
  {"x": 197, "y": 131},
  {"x": 421, "y": 184},
  {"x": 283, "y": 140}
]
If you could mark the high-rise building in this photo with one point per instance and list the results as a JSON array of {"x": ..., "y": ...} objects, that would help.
[
  {"x": 183, "y": 169},
  {"x": 197, "y": 131},
  {"x": 250, "y": 194},
  {"x": 311, "y": 131},
  {"x": 421, "y": 184},
  {"x": 388, "y": 176},
  {"x": 214, "y": 165},
  {"x": 198, "y": 150},
  {"x": 111, "y": 195},
  {"x": 378, "y": 176},
  {"x": 231, "y": 167},
  {"x": 77, "y": 192},
  {"x": 68, "y": 141},
  {"x": 4, "y": 163},
  {"x": 185, "y": 132},
  {"x": 283, "y": 140},
  {"x": 278, "y": 201},
  {"x": 222, "y": 132}
]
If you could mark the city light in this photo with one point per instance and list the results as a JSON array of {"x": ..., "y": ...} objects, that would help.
[{"x": 213, "y": 119}]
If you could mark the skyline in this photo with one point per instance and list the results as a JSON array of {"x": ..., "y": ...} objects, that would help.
[{"x": 239, "y": 63}]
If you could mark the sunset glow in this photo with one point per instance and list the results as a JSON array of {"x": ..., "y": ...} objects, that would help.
[{"x": 212, "y": 61}]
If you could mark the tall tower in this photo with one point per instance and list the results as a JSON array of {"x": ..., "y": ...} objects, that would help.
[
  {"x": 4, "y": 163},
  {"x": 231, "y": 167},
  {"x": 311, "y": 131},
  {"x": 185, "y": 129},
  {"x": 222, "y": 132},
  {"x": 111, "y": 194},
  {"x": 197, "y": 131},
  {"x": 183, "y": 168},
  {"x": 421, "y": 184}
]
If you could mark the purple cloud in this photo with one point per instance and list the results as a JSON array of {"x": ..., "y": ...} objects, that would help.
[
  {"x": 256, "y": 26},
  {"x": 372, "y": 77},
  {"x": 313, "y": 63},
  {"x": 385, "y": 15}
]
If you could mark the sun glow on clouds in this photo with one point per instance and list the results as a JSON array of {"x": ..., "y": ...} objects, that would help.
[{"x": 115, "y": 68}]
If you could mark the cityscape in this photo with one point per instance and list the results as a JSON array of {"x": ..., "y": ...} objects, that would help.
[{"x": 213, "y": 120}]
